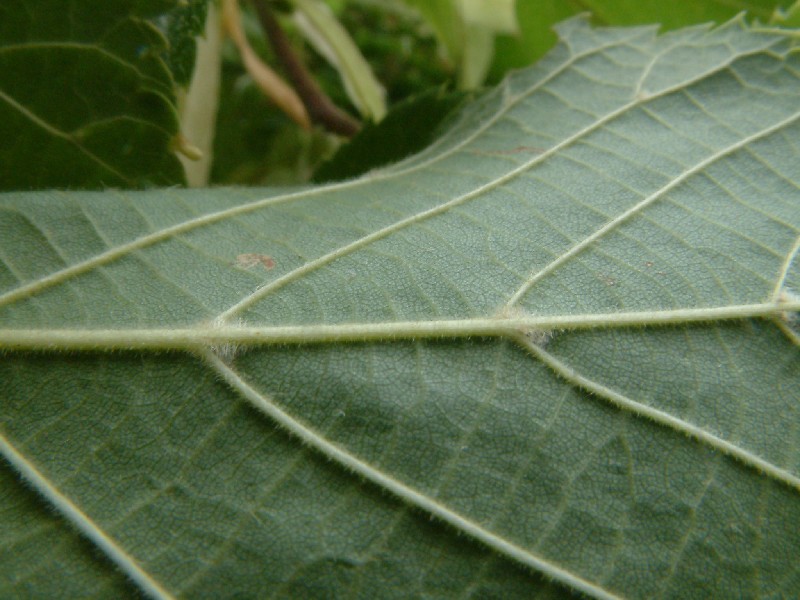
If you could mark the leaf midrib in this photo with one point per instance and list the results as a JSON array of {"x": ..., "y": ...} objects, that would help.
[
  {"x": 514, "y": 328},
  {"x": 209, "y": 335},
  {"x": 220, "y": 343}
]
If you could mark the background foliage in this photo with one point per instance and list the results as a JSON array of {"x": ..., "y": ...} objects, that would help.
[{"x": 90, "y": 93}]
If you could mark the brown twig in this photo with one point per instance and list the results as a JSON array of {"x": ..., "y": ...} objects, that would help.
[
  {"x": 319, "y": 106},
  {"x": 280, "y": 92}
]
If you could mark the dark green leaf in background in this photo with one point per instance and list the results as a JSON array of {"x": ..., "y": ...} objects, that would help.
[
  {"x": 86, "y": 100},
  {"x": 183, "y": 24},
  {"x": 409, "y": 127}
]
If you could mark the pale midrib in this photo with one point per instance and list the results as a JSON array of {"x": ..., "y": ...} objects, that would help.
[
  {"x": 57, "y": 277},
  {"x": 406, "y": 493},
  {"x": 82, "y": 522},
  {"x": 232, "y": 337}
]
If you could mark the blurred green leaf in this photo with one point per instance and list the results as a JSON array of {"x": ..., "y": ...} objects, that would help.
[
  {"x": 85, "y": 98},
  {"x": 536, "y": 19},
  {"x": 400, "y": 46},
  {"x": 409, "y": 127},
  {"x": 467, "y": 29},
  {"x": 255, "y": 144},
  {"x": 183, "y": 24},
  {"x": 332, "y": 41}
]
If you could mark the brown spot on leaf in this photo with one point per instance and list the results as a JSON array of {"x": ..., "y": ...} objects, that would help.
[{"x": 250, "y": 260}]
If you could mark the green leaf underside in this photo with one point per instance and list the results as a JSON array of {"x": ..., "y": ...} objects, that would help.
[{"x": 454, "y": 349}]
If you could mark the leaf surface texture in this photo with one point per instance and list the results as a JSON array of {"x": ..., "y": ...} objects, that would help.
[{"x": 554, "y": 352}]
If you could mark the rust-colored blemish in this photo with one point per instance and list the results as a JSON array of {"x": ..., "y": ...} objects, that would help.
[{"x": 250, "y": 260}]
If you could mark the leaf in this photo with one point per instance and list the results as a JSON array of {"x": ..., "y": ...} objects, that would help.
[
  {"x": 334, "y": 43},
  {"x": 556, "y": 351},
  {"x": 85, "y": 98},
  {"x": 409, "y": 127},
  {"x": 183, "y": 24},
  {"x": 536, "y": 20},
  {"x": 467, "y": 30}
]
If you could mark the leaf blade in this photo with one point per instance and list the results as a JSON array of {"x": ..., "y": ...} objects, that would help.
[
  {"x": 606, "y": 418},
  {"x": 85, "y": 100}
]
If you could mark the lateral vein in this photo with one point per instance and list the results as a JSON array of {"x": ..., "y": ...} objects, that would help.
[
  {"x": 406, "y": 493},
  {"x": 638, "y": 207},
  {"x": 663, "y": 418},
  {"x": 81, "y": 521}
]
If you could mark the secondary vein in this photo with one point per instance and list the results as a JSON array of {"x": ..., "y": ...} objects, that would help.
[
  {"x": 663, "y": 418},
  {"x": 405, "y": 492},
  {"x": 81, "y": 521},
  {"x": 640, "y": 206}
]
